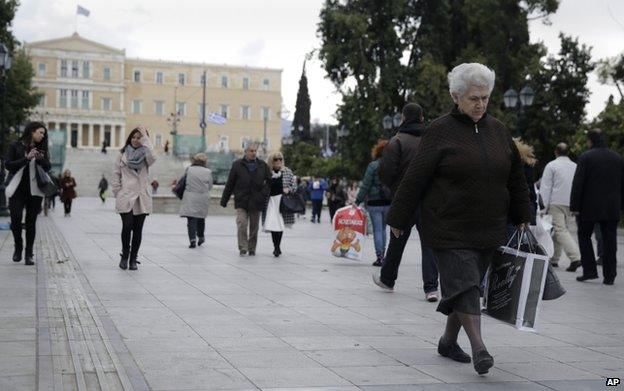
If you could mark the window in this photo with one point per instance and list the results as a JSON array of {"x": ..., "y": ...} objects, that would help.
[
  {"x": 63, "y": 99},
  {"x": 224, "y": 110},
  {"x": 265, "y": 84},
  {"x": 74, "y": 99},
  {"x": 159, "y": 107},
  {"x": 75, "y": 68},
  {"x": 42, "y": 69},
  {"x": 181, "y": 109},
  {"x": 244, "y": 112},
  {"x": 245, "y": 83},
  {"x": 107, "y": 104},
  {"x": 266, "y": 113},
  {"x": 182, "y": 78},
  {"x": 136, "y": 107},
  {"x": 63, "y": 68},
  {"x": 137, "y": 76},
  {"x": 85, "y": 99},
  {"x": 107, "y": 73},
  {"x": 224, "y": 143},
  {"x": 224, "y": 82},
  {"x": 160, "y": 78},
  {"x": 86, "y": 71},
  {"x": 159, "y": 140},
  {"x": 42, "y": 101}
]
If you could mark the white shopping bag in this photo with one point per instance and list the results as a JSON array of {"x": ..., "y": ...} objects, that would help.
[{"x": 542, "y": 232}]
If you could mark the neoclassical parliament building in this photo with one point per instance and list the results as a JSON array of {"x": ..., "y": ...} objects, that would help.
[{"x": 95, "y": 93}]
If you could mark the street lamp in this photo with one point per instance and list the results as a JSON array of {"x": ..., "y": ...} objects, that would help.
[
  {"x": 5, "y": 65},
  {"x": 513, "y": 100},
  {"x": 390, "y": 123}
]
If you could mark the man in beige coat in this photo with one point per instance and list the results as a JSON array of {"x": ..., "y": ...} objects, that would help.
[{"x": 130, "y": 186}]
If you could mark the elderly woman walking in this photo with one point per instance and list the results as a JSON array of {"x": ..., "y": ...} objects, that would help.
[
  {"x": 68, "y": 191},
  {"x": 282, "y": 182},
  {"x": 130, "y": 186},
  {"x": 196, "y": 199},
  {"x": 466, "y": 178}
]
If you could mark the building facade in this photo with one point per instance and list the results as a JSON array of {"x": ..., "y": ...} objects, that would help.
[{"x": 95, "y": 94}]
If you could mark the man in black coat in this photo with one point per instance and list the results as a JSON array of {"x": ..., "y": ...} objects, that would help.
[
  {"x": 597, "y": 198},
  {"x": 392, "y": 166},
  {"x": 249, "y": 181}
]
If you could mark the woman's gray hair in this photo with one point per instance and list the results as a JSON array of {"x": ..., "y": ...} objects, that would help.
[{"x": 463, "y": 76}]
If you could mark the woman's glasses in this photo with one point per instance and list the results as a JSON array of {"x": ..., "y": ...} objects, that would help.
[{"x": 277, "y": 159}]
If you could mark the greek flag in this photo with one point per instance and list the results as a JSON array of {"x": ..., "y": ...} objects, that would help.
[
  {"x": 82, "y": 11},
  {"x": 216, "y": 118}
]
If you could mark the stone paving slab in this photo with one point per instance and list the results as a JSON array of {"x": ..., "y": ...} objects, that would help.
[{"x": 207, "y": 319}]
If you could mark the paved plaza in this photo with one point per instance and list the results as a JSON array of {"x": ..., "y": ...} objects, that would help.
[{"x": 207, "y": 319}]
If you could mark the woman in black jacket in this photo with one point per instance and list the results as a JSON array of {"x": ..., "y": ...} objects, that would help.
[
  {"x": 21, "y": 161},
  {"x": 467, "y": 178}
]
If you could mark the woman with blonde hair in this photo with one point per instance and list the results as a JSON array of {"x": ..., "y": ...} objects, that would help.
[
  {"x": 68, "y": 191},
  {"x": 196, "y": 198},
  {"x": 282, "y": 182},
  {"x": 527, "y": 155}
]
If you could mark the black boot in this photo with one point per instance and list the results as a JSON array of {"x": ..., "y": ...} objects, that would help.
[
  {"x": 200, "y": 240},
  {"x": 28, "y": 259},
  {"x": 276, "y": 252},
  {"x": 192, "y": 245},
  {"x": 133, "y": 261},
  {"x": 123, "y": 263},
  {"x": 17, "y": 254}
]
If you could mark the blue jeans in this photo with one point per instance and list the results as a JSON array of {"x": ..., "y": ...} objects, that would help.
[{"x": 378, "y": 215}]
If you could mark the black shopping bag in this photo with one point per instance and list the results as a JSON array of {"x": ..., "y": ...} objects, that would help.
[{"x": 515, "y": 283}]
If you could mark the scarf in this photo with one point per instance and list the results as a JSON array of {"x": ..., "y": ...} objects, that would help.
[
  {"x": 251, "y": 165},
  {"x": 136, "y": 157},
  {"x": 276, "y": 174}
]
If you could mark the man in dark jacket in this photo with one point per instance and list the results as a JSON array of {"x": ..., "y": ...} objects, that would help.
[
  {"x": 392, "y": 166},
  {"x": 249, "y": 180},
  {"x": 597, "y": 198}
]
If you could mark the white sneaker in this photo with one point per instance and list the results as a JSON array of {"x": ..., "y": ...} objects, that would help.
[
  {"x": 380, "y": 284},
  {"x": 431, "y": 297}
]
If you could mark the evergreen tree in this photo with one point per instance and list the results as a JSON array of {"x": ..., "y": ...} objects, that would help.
[{"x": 302, "y": 110}]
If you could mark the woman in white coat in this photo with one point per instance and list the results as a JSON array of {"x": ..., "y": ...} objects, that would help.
[
  {"x": 130, "y": 186},
  {"x": 196, "y": 199},
  {"x": 282, "y": 182}
]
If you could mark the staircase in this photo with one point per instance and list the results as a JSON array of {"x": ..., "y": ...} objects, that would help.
[{"x": 87, "y": 167}]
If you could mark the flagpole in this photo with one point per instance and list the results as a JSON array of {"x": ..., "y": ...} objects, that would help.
[{"x": 76, "y": 20}]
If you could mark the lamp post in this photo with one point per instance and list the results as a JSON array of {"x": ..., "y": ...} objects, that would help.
[
  {"x": 514, "y": 100},
  {"x": 390, "y": 123},
  {"x": 5, "y": 65}
]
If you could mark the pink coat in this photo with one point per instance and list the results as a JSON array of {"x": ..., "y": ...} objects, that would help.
[{"x": 130, "y": 187}]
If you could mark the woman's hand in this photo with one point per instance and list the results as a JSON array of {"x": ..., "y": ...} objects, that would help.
[
  {"x": 523, "y": 227},
  {"x": 143, "y": 130},
  {"x": 33, "y": 154},
  {"x": 396, "y": 232},
  {"x": 286, "y": 190}
]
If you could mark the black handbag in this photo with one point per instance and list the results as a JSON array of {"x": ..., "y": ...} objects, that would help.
[
  {"x": 292, "y": 203},
  {"x": 45, "y": 183},
  {"x": 179, "y": 188}
]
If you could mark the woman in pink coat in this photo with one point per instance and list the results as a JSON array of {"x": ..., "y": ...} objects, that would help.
[{"x": 130, "y": 186}]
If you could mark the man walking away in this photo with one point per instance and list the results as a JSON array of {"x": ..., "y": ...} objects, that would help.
[
  {"x": 249, "y": 182},
  {"x": 392, "y": 166},
  {"x": 317, "y": 187},
  {"x": 597, "y": 196},
  {"x": 555, "y": 189},
  {"x": 102, "y": 187}
]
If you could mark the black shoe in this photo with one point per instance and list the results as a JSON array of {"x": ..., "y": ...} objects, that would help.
[
  {"x": 243, "y": 253},
  {"x": 28, "y": 260},
  {"x": 133, "y": 262},
  {"x": 483, "y": 361},
  {"x": 377, "y": 263},
  {"x": 453, "y": 351},
  {"x": 123, "y": 263},
  {"x": 200, "y": 241},
  {"x": 599, "y": 261},
  {"x": 608, "y": 281},
  {"x": 573, "y": 266},
  {"x": 17, "y": 255},
  {"x": 554, "y": 264},
  {"x": 192, "y": 245},
  {"x": 252, "y": 253},
  {"x": 276, "y": 253},
  {"x": 585, "y": 278}
]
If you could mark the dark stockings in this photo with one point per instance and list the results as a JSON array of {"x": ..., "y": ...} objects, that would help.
[
  {"x": 132, "y": 226},
  {"x": 472, "y": 326},
  {"x": 277, "y": 240}
]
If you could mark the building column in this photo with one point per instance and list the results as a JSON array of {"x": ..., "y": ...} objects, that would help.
[
  {"x": 112, "y": 133},
  {"x": 68, "y": 134},
  {"x": 122, "y": 135},
  {"x": 79, "y": 128},
  {"x": 101, "y": 134},
  {"x": 91, "y": 135}
]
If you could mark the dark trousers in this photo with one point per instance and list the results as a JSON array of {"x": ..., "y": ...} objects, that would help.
[
  {"x": 276, "y": 236},
  {"x": 317, "y": 206},
  {"x": 132, "y": 227},
  {"x": 67, "y": 204},
  {"x": 609, "y": 245},
  {"x": 333, "y": 207},
  {"x": 102, "y": 195},
  {"x": 394, "y": 254},
  {"x": 196, "y": 227},
  {"x": 17, "y": 204},
  {"x": 598, "y": 235}
]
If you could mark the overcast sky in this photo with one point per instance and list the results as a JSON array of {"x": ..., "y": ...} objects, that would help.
[{"x": 272, "y": 33}]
